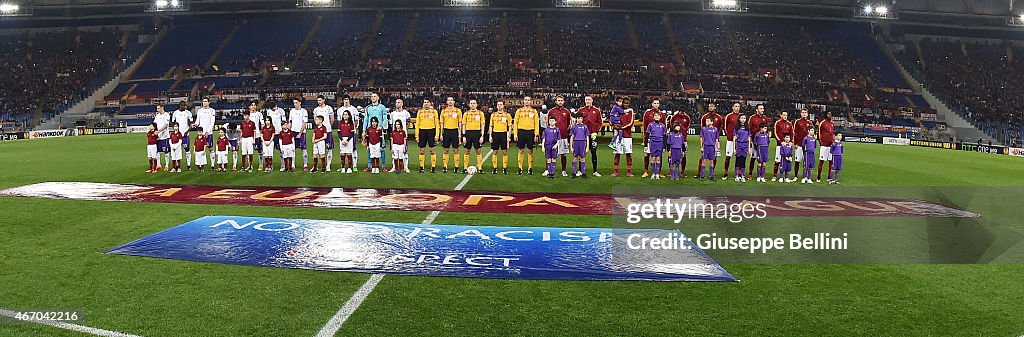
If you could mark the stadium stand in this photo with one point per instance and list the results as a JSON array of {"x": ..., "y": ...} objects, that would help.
[
  {"x": 782, "y": 62},
  {"x": 980, "y": 80},
  {"x": 188, "y": 44},
  {"x": 46, "y": 72}
]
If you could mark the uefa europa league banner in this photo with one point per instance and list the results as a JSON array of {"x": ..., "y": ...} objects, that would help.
[
  {"x": 537, "y": 253},
  {"x": 477, "y": 201}
]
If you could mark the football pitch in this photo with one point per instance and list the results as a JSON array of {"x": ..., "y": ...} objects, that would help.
[{"x": 52, "y": 256}]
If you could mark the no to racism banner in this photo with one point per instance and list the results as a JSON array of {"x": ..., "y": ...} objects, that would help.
[
  {"x": 473, "y": 201},
  {"x": 538, "y": 253}
]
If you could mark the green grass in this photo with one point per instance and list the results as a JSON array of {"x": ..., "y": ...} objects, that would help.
[{"x": 51, "y": 257}]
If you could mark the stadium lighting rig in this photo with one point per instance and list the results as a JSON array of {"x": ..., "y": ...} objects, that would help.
[
  {"x": 466, "y": 3},
  {"x": 318, "y": 3},
  {"x": 1016, "y": 17},
  {"x": 577, "y": 3},
  {"x": 876, "y": 10},
  {"x": 168, "y": 6},
  {"x": 725, "y": 5},
  {"x": 12, "y": 9}
]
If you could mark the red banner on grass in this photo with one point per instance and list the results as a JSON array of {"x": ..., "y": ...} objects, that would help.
[{"x": 471, "y": 201}]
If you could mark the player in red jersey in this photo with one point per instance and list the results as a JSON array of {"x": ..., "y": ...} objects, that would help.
[
  {"x": 151, "y": 153},
  {"x": 372, "y": 140},
  {"x": 682, "y": 119},
  {"x": 223, "y": 147},
  {"x": 593, "y": 120},
  {"x": 647, "y": 119},
  {"x": 268, "y": 134},
  {"x": 800, "y": 127},
  {"x": 826, "y": 133},
  {"x": 176, "y": 139},
  {"x": 398, "y": 149},
  {"x": 247, "y": 145},
  {"x": 755, "y": 123},
  {"x": 625, "y": 128},
  {"x": 287, "y": 140},
  {"x": 319, "y": 144},
  {"x": 731, "y": 122},
  {"x": 346, "y": 141},
  {"x": 562, "y": 118},
  {"x": 199, "y": 146},
  {"x": 718, "y": 123},
  {"x": 782, "y": 128}
]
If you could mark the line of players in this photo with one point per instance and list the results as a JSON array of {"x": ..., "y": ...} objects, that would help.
[
  {"x": 750, "y": 138},
  {"x": 746, "y": 137}
]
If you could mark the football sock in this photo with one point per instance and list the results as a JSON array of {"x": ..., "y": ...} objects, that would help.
[{"x": 682, "y": 166}]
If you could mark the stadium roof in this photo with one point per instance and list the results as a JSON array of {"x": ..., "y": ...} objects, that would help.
[{"x": 963, "y": 13}]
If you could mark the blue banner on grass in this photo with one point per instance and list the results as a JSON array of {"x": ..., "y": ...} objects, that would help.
[{"x": 429, "y": 250}]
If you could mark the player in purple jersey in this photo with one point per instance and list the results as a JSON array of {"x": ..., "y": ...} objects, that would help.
[
  {"x": 655, "y": 134},
  {"x": 837, "y": 159},
  {"x": 676, "y": 146},
  {"x": 579, "y": 137},
  {"x": 808, "y": 145},
  {"x": 761, "y": 141},
  {"x": 709, "y": 147},
  {"x": 787, "y": 159},
  {"x": 742, "y": 141},
  {"x": 550, "y": 136}
]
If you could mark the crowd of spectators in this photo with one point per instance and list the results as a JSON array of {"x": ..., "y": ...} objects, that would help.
[
  {"x": 777, "y": 61},
  {"x": 980, "y": 81},
  {"x": 44, "y": 72}
]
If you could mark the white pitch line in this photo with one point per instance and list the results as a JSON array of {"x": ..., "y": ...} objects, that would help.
[
  {"x": 70, "y": 326},
  {"x": 353, "y": 303}
]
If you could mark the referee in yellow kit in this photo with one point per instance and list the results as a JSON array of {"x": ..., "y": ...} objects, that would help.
[
  {"x": 451, "y": 122},
  {"x": 473, "y": 133},
  {"x": 526, "y": 122}
]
